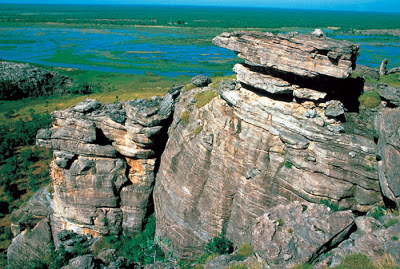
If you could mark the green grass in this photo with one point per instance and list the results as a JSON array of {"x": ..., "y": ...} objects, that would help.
[
  {"x": 225, "y": 17},
  {"x": 356, "y": 261},
  {"x": 391, "y": 80},
  {"x": 108, "y": 87},
  {"x": 369, "y": 100},
  {"x": 204, "y": 97},
  {"x": 303, "y": 266},
  {"x": 391, "y": 222},
  {"x": 245, "y": 250}
]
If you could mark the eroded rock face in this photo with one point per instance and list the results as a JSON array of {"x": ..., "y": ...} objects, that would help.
[
  {"x": 105, "y": 162},
  {"x": 387, "y": 124},
  {"x": 298, "y": 232},
  {"x": 30, "y": 246},
  {"x": 305, "y": 55},
  {"x": 244, "y": 153}
]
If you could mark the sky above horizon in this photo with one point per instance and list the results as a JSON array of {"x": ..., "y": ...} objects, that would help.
[{"x": 357, "y": 5}]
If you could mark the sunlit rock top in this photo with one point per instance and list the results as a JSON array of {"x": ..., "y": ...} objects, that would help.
[{"x": 305, "y": 55}]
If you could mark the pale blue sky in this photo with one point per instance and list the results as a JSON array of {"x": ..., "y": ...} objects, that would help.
[{"x": 353, "y": 5}]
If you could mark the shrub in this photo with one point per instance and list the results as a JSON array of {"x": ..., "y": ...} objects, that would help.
[
  {"x": 288, "y": 164},
  {"x": 204, "y": 97},
  {"x": 185, "y": 117},
  {"x": 219, "y": 245}
]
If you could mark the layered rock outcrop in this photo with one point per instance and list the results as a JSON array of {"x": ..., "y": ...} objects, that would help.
[
  {"x": 249, "y": 158},
  {"x": 305, "y": 55},
  {"x": 105, "y": 162},
  {"x": 269, "y": 138}
]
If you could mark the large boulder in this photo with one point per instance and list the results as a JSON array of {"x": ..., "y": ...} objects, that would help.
[{"x": 298, "y": 232}]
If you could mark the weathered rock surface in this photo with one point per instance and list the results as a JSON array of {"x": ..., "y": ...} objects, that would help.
[
  {"x": 383, "y": 67},
  {"x": 105, "y": 162},
  {"x": 82, "y": 262},
  {"x": 37, "y": 208},
  {"x": 30, "y": 246},
  {"x": 261, "y": 81},
  {"x": 19, "y": 80},
  {"x": 365, "y": 71},
  {"x": 201, "y": 80},
  {"x": 298, "y": 232},
  {"x": 376, "y": 238},
  {"x": 390, "y": 94},
  {"x": 387, "y": 125},
  {"x": 305, "y": 55},
  {"x": 394, "y": 70},
  {"x": 253, "y": 153}
]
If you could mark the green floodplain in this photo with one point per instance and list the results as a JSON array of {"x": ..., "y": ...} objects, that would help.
[{"x": 129, "y": 52}]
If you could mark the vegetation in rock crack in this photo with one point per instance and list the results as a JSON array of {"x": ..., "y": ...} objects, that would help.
[
  {"x": 391, "y": 222},
  {"x": 198, "y": 129},
  {"x": 185, "y": 117},
  {"x": 378, "y": 212},
  {"x": 220, "y": 245},
  {"x": 288, "y": 164},
  {"x": 204, "y": 97},
  {"x": 189, "y": 87},
  {"x": 356, "y": 261},
  {"x": 334, "y": 206},
  {"x": 280, "y": 222},
  {"x": 362, "y": 261},
  {"x": 244, "y": 251}
]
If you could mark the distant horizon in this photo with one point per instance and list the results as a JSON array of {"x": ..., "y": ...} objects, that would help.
[{"x": 361, "y": 6}]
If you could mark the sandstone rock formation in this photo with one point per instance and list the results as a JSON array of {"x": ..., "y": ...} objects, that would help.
[
  {"x": 105, "y": 162},
  {"x": 30, "y": 246},
  {"x": 388, "y": 130},
  {"x": 304, "y": 55},
  {"x": 265, "y": 141},
  {"x": 22, "y": 80},
  {"x": 249, "y": 158}
]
